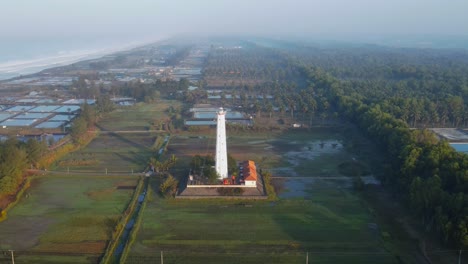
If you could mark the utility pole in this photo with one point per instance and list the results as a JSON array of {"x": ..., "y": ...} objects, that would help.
[
  {"x": 12, "y": 256},
  {"x": 459, "y": 256},
  {"x": 307, "y": 258},
  {"x": 162, "y": 258}
]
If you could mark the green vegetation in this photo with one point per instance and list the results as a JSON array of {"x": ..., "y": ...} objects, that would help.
[
  {"x": 270, "y": 189},
  {"x": 15, "y": 158},
  {"x": 120, "y": 151},
  {"x": 326, "y": 217},
  {"x": 13, "y": 162},
  {"x": 244, "y": 68},
  {"x": 168, "y": 187},
  {"x": 118, "y": 236},
  {"x": 205, "y": 166},
  {"x": 66, "y": 214},
  {"x": 204, "y": 230},
  {"x": 422, "y": 170},
  {"x": 384, "y": 95},
  {"x": 136, "y": 227},
  {"x": 333, "y": 94}
]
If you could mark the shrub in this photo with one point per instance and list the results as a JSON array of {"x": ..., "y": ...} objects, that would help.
[
  {"x": 270, "y": 189},
  {"x": 3, "y": 215},
  {"x": 169, "y": 187}
]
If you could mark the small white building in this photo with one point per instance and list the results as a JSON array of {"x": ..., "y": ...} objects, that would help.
[
  {"x": 249, "y": 171},
  {"x": 250, "y": 181}
]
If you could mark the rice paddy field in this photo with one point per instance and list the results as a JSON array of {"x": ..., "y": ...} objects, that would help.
[
  {"x": 65, "y": 219},
  {"x": 303, "y": 153},
  {"x": 68, "y": 216},
  {"x": 318, "y": 211},
  {"x": 332, "y": 224},
  {"x": 124, "y": 144}
]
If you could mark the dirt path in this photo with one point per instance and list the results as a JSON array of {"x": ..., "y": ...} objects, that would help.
[{"x": 93, "y": 173}]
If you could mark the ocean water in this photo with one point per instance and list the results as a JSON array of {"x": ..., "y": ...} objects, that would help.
[{"x": 20, "y": 56}]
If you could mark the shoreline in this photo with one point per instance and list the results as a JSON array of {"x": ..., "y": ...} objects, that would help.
[{"x": 21, "y": 68}]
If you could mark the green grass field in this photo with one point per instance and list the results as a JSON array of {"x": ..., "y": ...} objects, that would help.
[
  {"x": 120, "y": 151},
  {"x": 332, "y": 222},
  {"x": 72, "y": 214},
  {"x": 305, "y": 153},
  {"x": 324, "y": 217},
  {"x": 114, "y": 152},
  {"x": 137, "y": 117},
  {"x": 65, "y": 215},
  {"x": 69, "y": 214}
]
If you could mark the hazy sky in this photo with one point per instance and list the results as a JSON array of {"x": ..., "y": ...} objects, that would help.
[{"x": 145, "y": 18}]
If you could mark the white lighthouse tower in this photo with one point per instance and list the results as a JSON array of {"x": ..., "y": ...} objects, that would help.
[{"x": 221, "y": 149}]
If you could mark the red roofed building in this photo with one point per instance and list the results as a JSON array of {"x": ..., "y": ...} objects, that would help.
[{"x": 250, "y": 173}]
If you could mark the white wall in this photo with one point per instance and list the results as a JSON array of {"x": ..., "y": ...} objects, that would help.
[{"x": 251, "y": 183}]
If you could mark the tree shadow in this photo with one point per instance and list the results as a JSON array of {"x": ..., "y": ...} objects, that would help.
[{"x": 124, "y": 139}]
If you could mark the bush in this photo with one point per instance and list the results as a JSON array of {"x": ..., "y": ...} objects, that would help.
[
  {"x": 3, "y": 215},
  {"x": 169, "y": 187},
  {"x": 270, "y": 189}
]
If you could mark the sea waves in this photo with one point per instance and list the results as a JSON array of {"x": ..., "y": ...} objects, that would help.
[{"x": 15, "y": 68}]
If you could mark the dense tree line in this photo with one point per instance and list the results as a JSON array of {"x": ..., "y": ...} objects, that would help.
[
  {"x": 384, "y": 93},
  {"x": 88, "y": 116},
  {"x": 143, "y": 92},
  {"x": 248, "y": 62},
  {"x": 421, "y": 87},
  {"x": 15, "y": 157},
  {"x": 149, "y": 92},
  {"x": 420, "y": 168}
]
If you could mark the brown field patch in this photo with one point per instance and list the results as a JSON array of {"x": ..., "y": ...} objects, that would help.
[
  {"x": 78, "y": 162},
  {"x": 5, "y": 200},
  {"x": 129, "y": 182},
  {"x": 24, "y": 234},
  {"x": 89, "y": 247},
  {"x": 126, "y": 187},
  {"x": 100, "y": 194}
]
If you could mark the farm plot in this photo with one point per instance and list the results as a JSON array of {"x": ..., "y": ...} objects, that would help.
[
  {"x": 137, "y": 117},
  {"x": 318, "y": 152},
  {"x": 65, "y": 219},
  {"x": 124, "y": 145},
  {"x": 326, "y": 217},
  {"x": 112, "y": 152},
  {"x": 257, "y": 147},
  {"x": 331, "y": 222}
]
